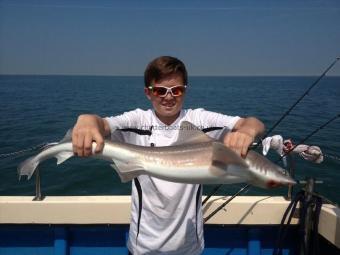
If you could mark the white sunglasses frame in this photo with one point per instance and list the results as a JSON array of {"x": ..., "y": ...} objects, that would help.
[{"x": 168, "y": 89}]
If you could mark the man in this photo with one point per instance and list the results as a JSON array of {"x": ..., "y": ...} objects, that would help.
[{"x": 166, "y": 217}]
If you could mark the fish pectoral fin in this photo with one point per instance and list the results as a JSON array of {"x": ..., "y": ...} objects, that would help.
[
  {"x": 127, "y": 171},
  {"x": 224, "y": 155},
  {"x": 63, "y": 156},
  {"x": 219, "y": 168}
]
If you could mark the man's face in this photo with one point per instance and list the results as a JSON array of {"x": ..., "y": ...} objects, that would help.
[{"x": 167, "y": 108}]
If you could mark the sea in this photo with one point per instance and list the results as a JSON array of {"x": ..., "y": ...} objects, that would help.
[{"x": 36, "y": 109}]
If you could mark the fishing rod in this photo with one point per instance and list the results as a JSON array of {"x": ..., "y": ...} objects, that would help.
[
  {"x": 301, "y": 97},
  {"x": 248, "y": 186},
  {"x": 280, "y": 120},
  {"x": 226, "y": 202}
]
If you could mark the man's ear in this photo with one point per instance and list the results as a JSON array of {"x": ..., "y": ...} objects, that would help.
[{"x": 147, "y": 93}]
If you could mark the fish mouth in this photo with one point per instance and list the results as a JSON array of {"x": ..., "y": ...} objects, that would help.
[{"x": 275, "y": 184}]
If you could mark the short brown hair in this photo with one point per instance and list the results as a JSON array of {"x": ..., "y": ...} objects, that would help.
[{"x": 162, "y": 67}]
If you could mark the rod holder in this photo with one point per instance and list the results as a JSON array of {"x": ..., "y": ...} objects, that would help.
[
  {"x": 309, "y": 216},
  {"x": 291, "y": 170},
  {"x": 38, "y": 195}
]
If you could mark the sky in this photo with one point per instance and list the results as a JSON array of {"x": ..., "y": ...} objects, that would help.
[{"x": 102, "y": 37}]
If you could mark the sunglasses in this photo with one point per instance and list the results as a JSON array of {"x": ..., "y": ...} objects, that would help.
[{"x": 160, "y": 91}]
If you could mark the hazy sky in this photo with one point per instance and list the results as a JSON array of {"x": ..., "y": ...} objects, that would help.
[{"x": 211, "y": 37}]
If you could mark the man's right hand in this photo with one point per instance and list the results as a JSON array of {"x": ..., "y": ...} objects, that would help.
[{"x": 88, "y": 129}]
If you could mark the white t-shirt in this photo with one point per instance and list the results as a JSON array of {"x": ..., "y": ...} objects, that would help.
[{"x": 166, "y": 217}]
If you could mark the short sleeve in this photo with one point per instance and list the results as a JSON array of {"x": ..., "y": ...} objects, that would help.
[
  {"x": 131, "y": 119},
  {"x": 208, "y": 119}
]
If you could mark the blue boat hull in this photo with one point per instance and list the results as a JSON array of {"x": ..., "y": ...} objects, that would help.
[{"x": 111, "y": 239}]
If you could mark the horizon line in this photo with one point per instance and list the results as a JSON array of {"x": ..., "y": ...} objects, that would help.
[{"x": 193, "y": 75}]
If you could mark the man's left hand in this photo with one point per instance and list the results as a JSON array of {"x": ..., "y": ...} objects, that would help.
[{"x": 239, "y": 142}]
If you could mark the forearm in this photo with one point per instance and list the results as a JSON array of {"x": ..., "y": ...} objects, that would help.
[{"x": 250, "y": 126}]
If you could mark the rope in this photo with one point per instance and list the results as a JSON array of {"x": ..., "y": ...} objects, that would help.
[
  {"x": 315, "y": 204},
  {"x": 332, "y": 156},
  {"x": 24, "y": 151},
  {"x": 283, "y": 230},
  {"x": 309, "y": 136}
]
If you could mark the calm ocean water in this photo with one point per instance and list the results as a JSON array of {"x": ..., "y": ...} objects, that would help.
[{"x": 39, "y": 109}]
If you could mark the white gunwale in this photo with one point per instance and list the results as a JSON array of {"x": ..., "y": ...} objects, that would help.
[{"x": 244, "y": 210}]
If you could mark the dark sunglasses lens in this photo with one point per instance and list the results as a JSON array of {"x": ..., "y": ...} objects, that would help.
[
  {"x": 159, "y": 91},
  {"x": 178, "y": 91}
]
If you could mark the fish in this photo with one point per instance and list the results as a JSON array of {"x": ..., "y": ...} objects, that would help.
[{"x": 194, "y": 158}]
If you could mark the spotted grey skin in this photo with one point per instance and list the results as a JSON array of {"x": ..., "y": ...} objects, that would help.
[{"x": 194, "y": 158}]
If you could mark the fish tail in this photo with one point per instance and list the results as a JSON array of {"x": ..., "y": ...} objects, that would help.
[{"x": 28, "y": 167}]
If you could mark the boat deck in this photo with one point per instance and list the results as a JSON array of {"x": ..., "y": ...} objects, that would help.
[{"x": 99, "y": 225}]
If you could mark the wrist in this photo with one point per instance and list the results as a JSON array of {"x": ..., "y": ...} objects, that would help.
[{"x": 107, "y": 129}]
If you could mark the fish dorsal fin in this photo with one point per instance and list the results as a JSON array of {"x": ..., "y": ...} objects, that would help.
[
  {"x": 67, "y": 137},
  {"x": 189, "y": 134},
  {"x": 224, "y": 155}
]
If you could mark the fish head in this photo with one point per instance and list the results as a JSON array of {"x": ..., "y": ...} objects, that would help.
[
  {"x": 278, "y": 182},
  {"x": 266, "y": 174}
]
